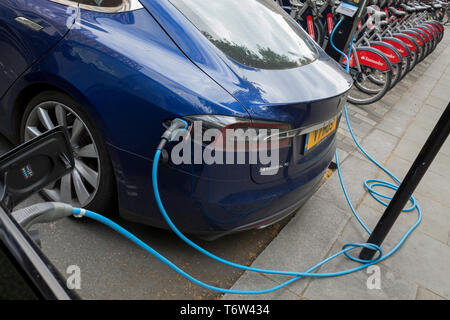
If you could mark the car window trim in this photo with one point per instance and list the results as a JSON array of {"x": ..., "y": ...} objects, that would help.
[{"x": 127, "y": 5}]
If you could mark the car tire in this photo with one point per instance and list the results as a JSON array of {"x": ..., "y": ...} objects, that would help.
[{"x": 91, "y": 184}]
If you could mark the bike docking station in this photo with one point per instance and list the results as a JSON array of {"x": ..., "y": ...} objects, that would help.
[{"x": 352, "y": 12}]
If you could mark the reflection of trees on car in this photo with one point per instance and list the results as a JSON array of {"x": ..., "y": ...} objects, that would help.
[{"x": 265, "y": 58}]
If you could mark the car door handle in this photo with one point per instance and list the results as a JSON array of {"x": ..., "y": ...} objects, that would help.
[{"x": 29, "y": 24}]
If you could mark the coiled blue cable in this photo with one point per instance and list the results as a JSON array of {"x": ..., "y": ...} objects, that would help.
[{"x": 369, "y": 184}]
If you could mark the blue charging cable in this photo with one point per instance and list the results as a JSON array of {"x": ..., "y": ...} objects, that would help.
[{"x": 369, "y": 184}]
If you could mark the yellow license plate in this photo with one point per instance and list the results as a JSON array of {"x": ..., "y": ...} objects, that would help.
[{"x": 315, "y": 137}]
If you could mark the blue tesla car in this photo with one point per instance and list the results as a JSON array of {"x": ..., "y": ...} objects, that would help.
[{"x": 115, "y": 72}]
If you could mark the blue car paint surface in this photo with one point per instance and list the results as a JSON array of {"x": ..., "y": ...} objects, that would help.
[{"x": 131, "y": 71}]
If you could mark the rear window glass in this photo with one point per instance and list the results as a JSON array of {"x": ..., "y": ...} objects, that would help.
[{"x": 255, "y": 33}]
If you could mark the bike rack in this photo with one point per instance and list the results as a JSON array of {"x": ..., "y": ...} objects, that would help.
[{"x": 352, "y": 12}]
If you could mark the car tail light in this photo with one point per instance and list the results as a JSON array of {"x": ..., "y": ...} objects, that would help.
[{"x": 238, "y": 134}]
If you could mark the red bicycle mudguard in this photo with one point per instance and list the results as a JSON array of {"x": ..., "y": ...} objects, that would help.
[
  {"x": 371, "y": 57},
  {"x": 310, "y": 24},
  {"x": 434, "y": 26},
  {"x": 430, "y": 29},
  {"x": 425, "y": 36},
  {"x": 408, "y": 40},
  {"x": 416, "y": 37},
  {"x": 427, "y": 31},
  {"x": 437, "y": 24},
  {"x": 388, "y": 50},
  {"x": 401, "y": 47},
  {"x": 330, "y": 23}
]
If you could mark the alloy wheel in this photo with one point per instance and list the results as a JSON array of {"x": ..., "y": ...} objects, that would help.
[{"x": 79, "y": 187}]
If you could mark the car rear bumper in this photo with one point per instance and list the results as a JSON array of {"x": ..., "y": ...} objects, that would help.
[
  {"x": 202, "y": 204},
  {"x": 271, "y": 219}
]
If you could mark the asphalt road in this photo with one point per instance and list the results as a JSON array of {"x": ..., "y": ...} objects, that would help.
[{"x": 114, "y": 268}]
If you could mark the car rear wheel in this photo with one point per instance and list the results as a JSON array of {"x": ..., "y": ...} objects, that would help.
[{"x": 91, "y": 183}]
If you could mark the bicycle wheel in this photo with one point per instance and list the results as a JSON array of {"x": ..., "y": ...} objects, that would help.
[
  {"x": 375, "y": 78},
  {"x": 406, "y": 63},
  {"x": 419, "y": 42},
  {"x": 425, "y": 40},
  {"x": 411, "y": 45},
  {"x": 371, "y": 64},
  {"x": 362, "y": 97},
  {"x": 321, "y": 32},
  {"x": 404, "y": 51},
  {"x": 312, "y": 28},
  {"x": 432, "y": 37},
  {"x": 395, "y": 58}
]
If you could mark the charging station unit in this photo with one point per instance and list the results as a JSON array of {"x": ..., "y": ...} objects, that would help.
[
  {"x": 352, "y": 11},
  {"x": 34, "y": 165},
  {"x": 24, "y": 171}
]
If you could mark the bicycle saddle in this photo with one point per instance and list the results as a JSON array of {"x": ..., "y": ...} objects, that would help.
[
  {"x": 419, "y": 8},
  {"x": 436, "y": 6},
  {"x": 407, "y": 8},
  {"x": 380, "y": 15},
  {"x": 296, "y": 3},
  {"x": 371, "y": 10},
  {"x": 396, "y": 12},
  {"x": 376, "y": 14}
]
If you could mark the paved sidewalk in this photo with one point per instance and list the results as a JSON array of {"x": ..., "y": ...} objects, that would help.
[{"x": 393, "y": 132}]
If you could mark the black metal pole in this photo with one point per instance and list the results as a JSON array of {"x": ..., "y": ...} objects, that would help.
[{"x": 429, "y": 151}]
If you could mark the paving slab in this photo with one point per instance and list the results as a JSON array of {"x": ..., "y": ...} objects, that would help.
[
  {"x": 435, "y": 222},
  {"x": 395, "y": 123},
  {"x": 354, "y": 171},
  {"x": 408, "y": 149},
  {"x": 428, "y": 116},
  {"x": 379, "y": 145},
  {"x": 421, "y": 260},
  {"x": 425, "y": 294},
  {"x": 256, "y": 282},
  {"x": 434, "y": 187},
  {"x": 358, "y": 285},
  {"x": 298, "y": 249}
]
